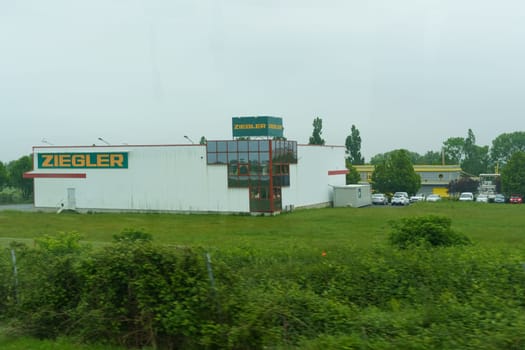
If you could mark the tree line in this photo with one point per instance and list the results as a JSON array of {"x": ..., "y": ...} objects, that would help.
[
  {"x": 394, "y": 169},
  {"x": 13, "y": 187}
]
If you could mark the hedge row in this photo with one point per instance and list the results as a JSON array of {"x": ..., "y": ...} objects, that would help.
[{"x": 136, "y": 293}]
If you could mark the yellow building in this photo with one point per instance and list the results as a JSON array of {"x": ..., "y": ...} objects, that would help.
[{"x": 434, "y": 178}]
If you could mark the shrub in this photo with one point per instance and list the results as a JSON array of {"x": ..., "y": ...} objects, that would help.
[
  {"x": 140, "y": 294},
  {"x": 132, "y": 235},
  {"x": 9, "y": 195},
  {"x": 433, "y": 231},
  {"x": 49, "y": 285}
]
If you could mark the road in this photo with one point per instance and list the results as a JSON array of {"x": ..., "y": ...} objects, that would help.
[{"x": 18, "y": 207}]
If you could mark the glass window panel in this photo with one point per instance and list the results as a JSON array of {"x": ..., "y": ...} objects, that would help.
[
  {"x": 253, "y": 156},
  {"x": 264, "y": 157},
  {"x": 255, "y": 169},
  {"x": 244, "y": 169},
  {"x": 232, "y": 157},
  {"x": 221, "y": 158},
  {"x": 264, "y": 146},
  {"x": 242, "y": 146},
  {"x": 211, "y": 146},
  {"x": 233, "y": 181},
  {"x": 232, "y": 169},
  {"x": 243, "y": 157},
  {"x": 232, "y": 146},
  {"x": 212, "y": 158},
  {"x": 264, "y": 168},
  {"x": 222, "y": 146},
  {"x": 253, "y": 146},
  {"x": 264, "y": 180},
  {"x": 285, "y": 180}
]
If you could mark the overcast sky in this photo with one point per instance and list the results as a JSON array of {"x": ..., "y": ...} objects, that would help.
[{"x": 408, "y": 73}]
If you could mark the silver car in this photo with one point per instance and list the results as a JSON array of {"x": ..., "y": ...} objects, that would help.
[{"x": 379, "y": 199}]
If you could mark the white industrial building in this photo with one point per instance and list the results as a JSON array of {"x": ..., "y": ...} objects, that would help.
[
  {"x": 187, "y": 178},
  {"x": 259, "y": 172}
]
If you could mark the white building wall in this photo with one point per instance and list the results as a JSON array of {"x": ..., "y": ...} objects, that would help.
[
  {"x": 178, "y": 178},
  {"x": 310, "y": 181},
  {"x": 161, "y": 178}
]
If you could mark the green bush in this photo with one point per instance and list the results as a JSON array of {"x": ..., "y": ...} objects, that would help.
[
  {"x": 49, "y": 287},
  {"x": 10, "y": 195},
  {"x": 6, "y": 282},
  {"x": 433, "y": 231},
  {"x": 132, "y": 235},
  {"x": 137, "y": 294}
]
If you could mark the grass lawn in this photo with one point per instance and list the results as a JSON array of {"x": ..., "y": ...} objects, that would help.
[{"x": 494, "y": 225}]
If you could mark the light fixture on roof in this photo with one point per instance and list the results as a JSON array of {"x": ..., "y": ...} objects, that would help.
[
  {"x": 47, "y": 142},
  {"x": 101, "y": 139},
  {"x": 188, "y": 138}
]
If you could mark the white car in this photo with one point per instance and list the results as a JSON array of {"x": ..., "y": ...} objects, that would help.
[
  {"x": 433, "y": 198},
  {"x": 417, "y": 198},
  {"x": 482, "y": 198},
  {"x": 466, "y": 197},
  {"x": 400, "y": 198}
]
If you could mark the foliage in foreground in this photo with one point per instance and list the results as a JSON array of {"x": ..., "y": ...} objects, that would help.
[
  {"x": 429, "y": 231},
  {"x": 135, "y": 293}
]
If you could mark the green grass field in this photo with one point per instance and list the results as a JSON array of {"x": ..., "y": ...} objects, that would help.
[
  {"x": 337, "y": 230},
  {"x": 486, "y": 224}
]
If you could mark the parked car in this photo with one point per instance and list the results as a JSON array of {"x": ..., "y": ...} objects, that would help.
[
  {"x": 400, "y": 198},
  {"x": 499, "y": 198},
  {"x": 418, "y": 197},
  {"x": 466, "y": 197},
  {"x": 515, "y": 199},
  {"x": 379, "y": 199},
  {"x": 433, "y": 198},
  {"x": 482, "y": 198}
]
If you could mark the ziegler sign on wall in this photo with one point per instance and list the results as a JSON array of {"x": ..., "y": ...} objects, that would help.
[
  {"x": 257, "y": 126},
  {"x": 104, "y": 160}
]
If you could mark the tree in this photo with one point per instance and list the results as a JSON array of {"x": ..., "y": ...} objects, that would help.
[
  {"x": 430, "y": 158},
  {"x": 505, "y": 145},
  {"x": 203, "y": 141},
  {"x": 453, "y": 148},
  {"x": 396, "y": 173},
  {"x": 353, "y": 147},
  {"x": 316, "y": 139},
  {"x": 477, "y": 160},
  {"x": 513, "y": 174},
  {"x": 16, "y": 170},
  {"x": 472, "y": 158},
  {"x": 353, "y": 175},
  {"x": 3, "y": 175},
  {"x": 463, "y": 184},
  {"x": 378, "y": 158}
]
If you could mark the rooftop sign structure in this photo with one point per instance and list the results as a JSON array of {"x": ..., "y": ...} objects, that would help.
[{"x": 257, "y": 126}]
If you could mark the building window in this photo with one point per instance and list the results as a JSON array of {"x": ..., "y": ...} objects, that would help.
[{"x": 248, "y": 164}]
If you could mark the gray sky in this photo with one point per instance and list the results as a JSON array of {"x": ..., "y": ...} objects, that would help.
[{"x": 408, "y": 73}]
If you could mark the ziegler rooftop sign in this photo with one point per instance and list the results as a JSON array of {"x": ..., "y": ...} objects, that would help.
[
  {"x": 257, "y": 126},
  {"x": 102, "y": 160}
]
